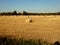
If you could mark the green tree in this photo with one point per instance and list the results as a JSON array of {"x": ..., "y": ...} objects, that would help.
[
  {"x": 14, "y": 12},
  {"x": 25, "y": 13}
]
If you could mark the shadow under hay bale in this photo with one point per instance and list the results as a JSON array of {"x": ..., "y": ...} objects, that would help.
[{"x": 57, "y": 43}]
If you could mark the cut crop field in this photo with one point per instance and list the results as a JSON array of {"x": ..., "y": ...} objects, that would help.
[{"x": 41, "y": 27}]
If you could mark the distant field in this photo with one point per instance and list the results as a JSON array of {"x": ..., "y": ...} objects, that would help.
[{"x": 42, "y": 27}]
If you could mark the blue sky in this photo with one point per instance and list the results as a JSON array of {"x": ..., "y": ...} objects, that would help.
[{"x": 30, "y": 5}]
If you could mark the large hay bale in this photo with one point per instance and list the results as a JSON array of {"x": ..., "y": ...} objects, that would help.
[{"x": 29, "y": 20}]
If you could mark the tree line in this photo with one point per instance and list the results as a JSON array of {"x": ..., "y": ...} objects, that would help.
[{"x": 27, "y": 13}]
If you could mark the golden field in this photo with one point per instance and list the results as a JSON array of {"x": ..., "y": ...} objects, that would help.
[{"x": 42, "y": 27}]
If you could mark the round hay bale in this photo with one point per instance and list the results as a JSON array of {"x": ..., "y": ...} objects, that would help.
[{"x": 29, "y": 20}]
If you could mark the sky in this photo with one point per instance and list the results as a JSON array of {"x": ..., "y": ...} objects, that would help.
[{"x": 30, "y": 5}]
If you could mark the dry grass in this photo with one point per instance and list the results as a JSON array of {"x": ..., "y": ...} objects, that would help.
[{"x": 47, "y": 28}]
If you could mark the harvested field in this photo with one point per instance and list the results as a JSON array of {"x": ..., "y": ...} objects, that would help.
[{"x": 47, "y": 28}]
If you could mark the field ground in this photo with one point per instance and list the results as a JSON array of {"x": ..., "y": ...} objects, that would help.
[{"x": 47, "y": 28}]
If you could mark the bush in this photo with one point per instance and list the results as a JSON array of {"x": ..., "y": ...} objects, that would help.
[{"x": 21, "y": 41}]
